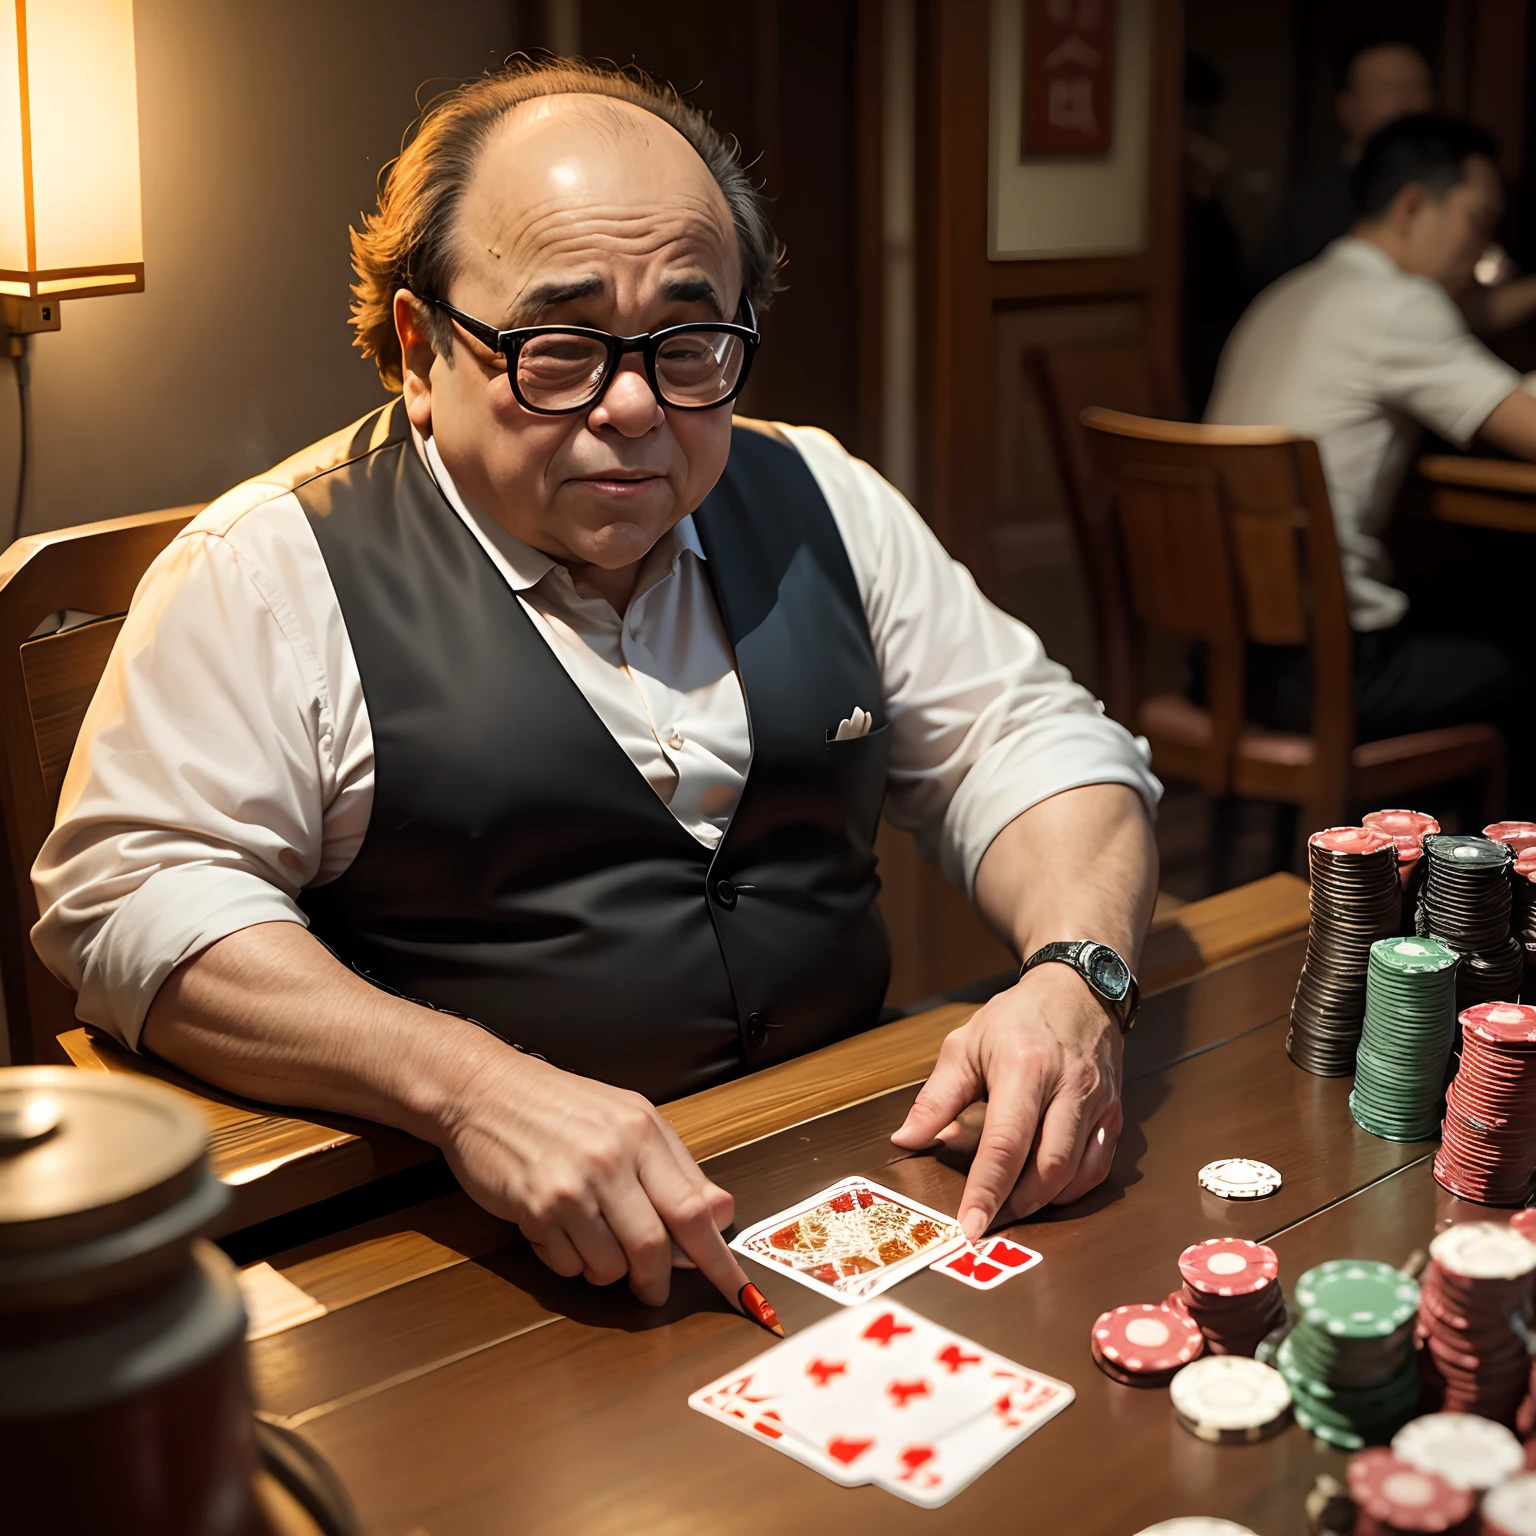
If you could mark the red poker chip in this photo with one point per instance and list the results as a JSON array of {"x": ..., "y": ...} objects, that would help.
[
  {"x": 1401, "y": 1496},
  {"x": 1501, "y": 1023},
  {"x": 1407, "y": 829},
  {"x": 1228, "y": 1266},
  {"x": 1146, "y": 1338},
  {"x": 1351, "y": 840},
  {"x": 1525, "y": 863},
  {"x": 1520, "y": 835},
  {"x": 1176, "y": 1299}
]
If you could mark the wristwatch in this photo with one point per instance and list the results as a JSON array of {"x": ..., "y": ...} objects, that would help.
[{"x": 1102, "y": 968}]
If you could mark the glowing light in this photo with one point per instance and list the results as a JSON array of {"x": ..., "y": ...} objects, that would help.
[{"x": 69, "y": 149}]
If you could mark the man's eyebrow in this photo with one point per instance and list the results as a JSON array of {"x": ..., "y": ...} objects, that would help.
[
  {"x": 547, "y": 295},
  {"x": 692, "y": 290}
]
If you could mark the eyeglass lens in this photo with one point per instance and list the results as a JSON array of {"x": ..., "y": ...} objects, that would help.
[{"x": 562, "y": 370}]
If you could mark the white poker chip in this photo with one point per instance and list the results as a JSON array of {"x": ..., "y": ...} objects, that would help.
[
  {"x": 1484, "y": 1250},
  {"x": 1239, "y": 1178},
  {"x": 1466, "y": 1450},
  {"x": 1510, "y": 1509},
  {"x": 1230, "y": 1392},
  {"x": 1196, "y": 1525}
]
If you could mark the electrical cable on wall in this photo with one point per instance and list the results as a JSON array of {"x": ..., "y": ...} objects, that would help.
[{"x": 22, "y": 364}]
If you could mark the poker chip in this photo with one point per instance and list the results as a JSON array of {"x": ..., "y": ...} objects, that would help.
[
  {"x": 1465, "y": 901},
  {"x": 1144, "y": 1343},
  {"x": 1523, "y": 916},
  {"x": 1228, "y": 1266},
  {"x": 1230, "y": 1400},
  {"x": 1349, "y": 1360},
  {"x": 1524, "y": 1222},
  {"x": 1467, "y": 1450},
  {"x": 1519, "y": 835},
  {"x": 1403, "y": 1497},
  {"x": 1510, "y": 1509},
  {"x": 1488, "y": 1137},
  {"x": 1408, "y": 1030},
  {"x": 1195, "y": 1525},
  {"x": 1354, "y": 900},
  {"x": 1479, "y": 1280},
  {"x": 1239, "y": 1178},
  {"x": 1407, "y": 830}
]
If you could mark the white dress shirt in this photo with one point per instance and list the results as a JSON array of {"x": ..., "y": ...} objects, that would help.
[
  {"x": 1355, "y": 352},
  {"x": 226, "y": 761}
]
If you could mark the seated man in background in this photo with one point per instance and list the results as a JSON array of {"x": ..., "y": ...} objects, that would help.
[
  {"x": 512, "y": 760},
  {"x": 1358, "y": 350}
]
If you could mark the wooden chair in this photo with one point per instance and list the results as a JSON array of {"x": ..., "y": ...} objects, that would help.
[
  {"x": 1227, "y": 535},
  {"x": 1123, "y": 377},
  {"x": 46, "y": 684}
]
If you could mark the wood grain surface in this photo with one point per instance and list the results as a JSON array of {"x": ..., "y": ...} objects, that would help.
[
  {"x": 492, "y": 1396},
  {"x": 1480, "y": 493}
]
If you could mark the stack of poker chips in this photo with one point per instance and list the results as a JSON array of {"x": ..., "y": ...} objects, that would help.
[
  {"x": 1392, "y": 1495},
  {"x": 1523, "y": 919},
  {"x": 1230, "y": 1400},
  {"x": 1231, "y": 1293},
  {"x": 1405, "y": 1043},
  {"x": 1510, "y": 1509},
  {"x": 1488, "y": 1141},
  {"x": 1354, "y": 901},
  {"x": 1465, "y": 902},
  {"x": 1349, "y": 1361},
  {"x": 1144, "y": 1344},
  {"x": 1474, "y": 1298},
  {"x": 1407, "y": 829}
]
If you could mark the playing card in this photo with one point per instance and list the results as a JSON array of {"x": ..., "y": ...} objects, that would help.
[
  {"x": 988, "y": 1265},
  {"x": 879, "y": 1394},
  {"x": 852, "y": 1241}
]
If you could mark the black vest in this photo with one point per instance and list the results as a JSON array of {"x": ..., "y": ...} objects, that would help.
[{"x": 519, "y": 870}]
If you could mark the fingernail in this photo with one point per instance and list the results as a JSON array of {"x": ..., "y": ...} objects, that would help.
[
  {"x": 973, "y": 1224},
  {"x": 756, "y": 1306}
]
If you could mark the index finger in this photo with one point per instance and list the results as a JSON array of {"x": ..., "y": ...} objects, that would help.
[
  {"x": 1013, "y": 1113},
  {"x": 686, "y": 1208}
]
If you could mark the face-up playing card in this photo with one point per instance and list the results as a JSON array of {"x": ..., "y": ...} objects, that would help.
[
  {"x": 852, "y": 1241},
  {"x": 989, "y": 1264},
  {"x": 881, "y": 1395}
]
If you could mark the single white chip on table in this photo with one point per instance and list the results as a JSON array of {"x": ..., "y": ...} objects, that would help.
[
  {"x": 1467, "y": 1450},
  {"x": 1239, "y": 1178},
  {"x": 1230, "y": 1393},
  {"x": 1196, "y": 1525}
]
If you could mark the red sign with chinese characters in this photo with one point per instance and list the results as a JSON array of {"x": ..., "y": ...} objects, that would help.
[{"x": 1069, "y": 76}]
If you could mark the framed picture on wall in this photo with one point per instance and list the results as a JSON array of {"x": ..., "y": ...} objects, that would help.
[{"x": 1069, "y": 77}]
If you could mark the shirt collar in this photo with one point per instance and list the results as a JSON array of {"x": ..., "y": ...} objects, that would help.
[{"x": 523, "y": 565}]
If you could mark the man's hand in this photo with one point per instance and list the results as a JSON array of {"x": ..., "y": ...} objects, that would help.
[
  {"x": 1045, "y": 1055},
  {"x": 597, "y": 1181}
]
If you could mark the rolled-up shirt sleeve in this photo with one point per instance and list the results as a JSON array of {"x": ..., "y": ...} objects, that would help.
[
  {"x": 196, "y": 799},
  {"x": 983, "y": 724}
]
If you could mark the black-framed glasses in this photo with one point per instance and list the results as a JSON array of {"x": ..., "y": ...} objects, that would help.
[{"x": 557, "y": 369}]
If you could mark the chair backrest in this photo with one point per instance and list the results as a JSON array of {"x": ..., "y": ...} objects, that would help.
[
  {"x": 1228, "y": 538},
  {"x": 1123, "y": 377},
  {"x": 46, "y": 684}
]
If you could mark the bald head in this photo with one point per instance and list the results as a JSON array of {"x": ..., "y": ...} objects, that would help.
[{"x": 581, "y": 207}]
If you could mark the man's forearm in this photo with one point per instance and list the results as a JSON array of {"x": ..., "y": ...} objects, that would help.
[
  {"x": 1081, "y": 865},
  {"x": 270, "y": 1014}
]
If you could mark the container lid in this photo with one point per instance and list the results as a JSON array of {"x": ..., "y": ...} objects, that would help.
[{"x": 104, "y": 1179}]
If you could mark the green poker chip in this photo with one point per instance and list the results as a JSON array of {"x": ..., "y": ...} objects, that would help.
[
  {"x": 1356, "y": 1298},
  {"x": 1468, "y": 851}
]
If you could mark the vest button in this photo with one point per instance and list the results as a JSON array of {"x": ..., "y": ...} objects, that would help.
[
  {"x": 757, "y": 1030},
  {"x": 725, "y": 894}
]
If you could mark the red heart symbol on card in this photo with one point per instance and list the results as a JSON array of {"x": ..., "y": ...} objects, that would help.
[
  {"x": 885, "y": 1328},
  {"x": 902, "y": 1392},
  {"x": 962, "y": 1263},
  {"x": 1003, "y": 1252},
  {"x": 985, "y": 1271},
  {"x": 847, "y": 1451},
  {"x": 824, "y": 1370},
  {"x": 955, "y": 1358}
]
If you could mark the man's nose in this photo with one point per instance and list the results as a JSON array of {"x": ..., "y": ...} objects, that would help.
[{"x": 629, "y": 404}]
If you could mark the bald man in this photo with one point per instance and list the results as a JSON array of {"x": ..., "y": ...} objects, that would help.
[{"x": 511, "y": 761}]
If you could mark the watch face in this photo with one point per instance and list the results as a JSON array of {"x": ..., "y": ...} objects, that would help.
[{"x": 1108, "y": 972}]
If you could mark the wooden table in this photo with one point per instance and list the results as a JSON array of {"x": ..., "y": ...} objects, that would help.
[
  {"x": 458, "y": 1387},
  {"x": 1481, "y": 493}
]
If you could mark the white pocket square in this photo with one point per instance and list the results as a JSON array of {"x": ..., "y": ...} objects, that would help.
[{"x": 856, "y": 725}]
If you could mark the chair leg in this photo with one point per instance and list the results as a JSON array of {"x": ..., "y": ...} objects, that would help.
[{"x": 1218, "y": 865}]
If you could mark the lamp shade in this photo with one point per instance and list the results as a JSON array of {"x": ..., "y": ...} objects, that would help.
[{"x": 69, "y": 149}]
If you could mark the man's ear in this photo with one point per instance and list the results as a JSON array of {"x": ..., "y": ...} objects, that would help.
[
  {"x": 417, "y": 356},
  {"x": 1405, "y": 208}
]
